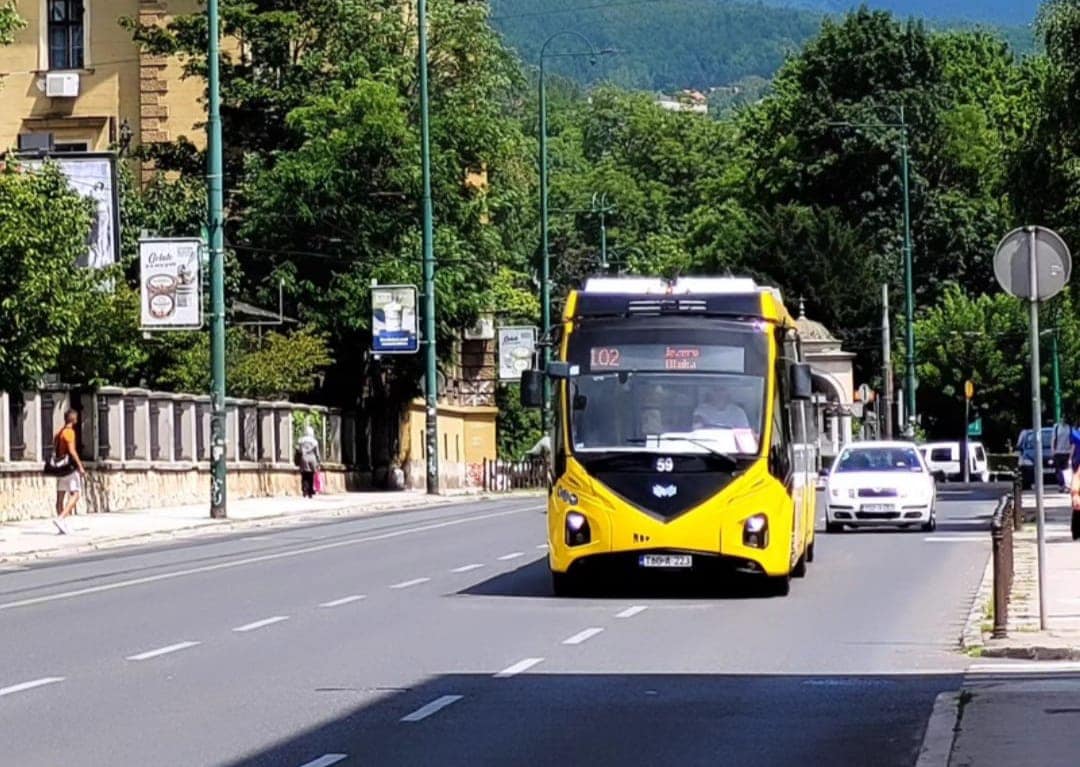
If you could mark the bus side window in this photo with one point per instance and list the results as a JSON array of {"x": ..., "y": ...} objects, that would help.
[{"x": 781, "y": 455}]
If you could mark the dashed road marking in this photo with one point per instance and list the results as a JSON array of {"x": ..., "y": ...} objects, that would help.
[
  {"x": 343, "y": 601},
  {"x": 407, "y": 584},
  {"x": 261, "y": 624},
  {"x": 542, "y": 547},
  {"x": 957, "y": 539},
  {"x": 22, "y": 686},
  {"x": 467, "y": 568},
  {"x": 431, "y": 708},
  {"x": 517, "y": 668},
  {"x": 582, "y": 636},
  {"x": 512, "y": 555},
  {"x": 162, "y": 651},
  {"x": 630, "y": 612},
  {"x": 253, "y": 560}
]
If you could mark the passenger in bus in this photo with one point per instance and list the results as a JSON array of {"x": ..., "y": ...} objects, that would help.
[
  {"x": 718, "y": 410},
  {"x": 651, "y": 422}
]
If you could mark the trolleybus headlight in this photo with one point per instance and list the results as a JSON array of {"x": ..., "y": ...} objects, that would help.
[
  {"x": 567, "y": 497},
  {"x": 577, "y": 529},
  {"x": 756, "y": 532}
]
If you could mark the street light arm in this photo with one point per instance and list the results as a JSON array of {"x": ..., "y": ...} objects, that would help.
[{"x": 568, "y": 33}]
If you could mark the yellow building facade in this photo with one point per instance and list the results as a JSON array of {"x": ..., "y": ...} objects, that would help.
[{"x": 75, "y": 72}]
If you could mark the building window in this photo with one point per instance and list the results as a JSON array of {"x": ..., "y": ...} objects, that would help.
[
  {"x": 66, "y": 34},
  {"x": 60, "y": 147}
]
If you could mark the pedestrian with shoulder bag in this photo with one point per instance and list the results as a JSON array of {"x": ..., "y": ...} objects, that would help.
[{"x": 67, "y": 467}]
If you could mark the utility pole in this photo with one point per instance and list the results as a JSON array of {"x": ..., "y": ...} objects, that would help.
[
  {"x": 601, "y": 207},
  {"x": 431, "y": 384},
  {"x": 1056, "y": 368},
  {"x": 909, "y": 291},
  {"x": 545, "y": 255},
  {"x": 215, "y": 224},
  {"x": 886, "y": 363}
]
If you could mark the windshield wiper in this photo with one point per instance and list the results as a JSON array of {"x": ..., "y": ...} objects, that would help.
[{"x": 727, "y": 458}]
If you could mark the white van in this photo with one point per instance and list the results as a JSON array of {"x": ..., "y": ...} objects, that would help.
[{"x": 943, "y": 459}]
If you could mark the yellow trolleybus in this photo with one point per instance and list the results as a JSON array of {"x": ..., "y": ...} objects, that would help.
[{"x": 680, "y": 432}]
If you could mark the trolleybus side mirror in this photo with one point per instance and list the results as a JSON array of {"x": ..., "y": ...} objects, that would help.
[
  {"x": 532, "y": 388},
  {"x": 562, "y": 371},
  {"x": 802, "y": 384}
]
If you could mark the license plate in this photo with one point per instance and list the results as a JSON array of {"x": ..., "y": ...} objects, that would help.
[
  {"x": 666, "y": 560},
  {"x": 878, "y": 507}
]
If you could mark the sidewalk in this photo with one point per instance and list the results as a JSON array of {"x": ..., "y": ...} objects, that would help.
[
  {"x": 1019, "y": 722},
  {"x": 39, "y": 539},
  {"x": 1061, "y": 640}
]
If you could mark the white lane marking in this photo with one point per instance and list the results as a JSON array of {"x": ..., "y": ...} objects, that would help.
[
  {"x": 30, "y": 685},
  {"x": 343, "y": 601},
  {"x": 957, "y": 539},
  {"x": 467, "y": 568},
  {"x": 435, "y": 706},
  {"x": 162, "y": 651},
  {"x": 407, "y": 584},
  {"x": 325, "y": 760},
  {"x": 12, "y": 568},
  {"x": 542, "y": 546},
  {"x": 1023, "y": 667},
  {"x": 261, "y": 624},
  {"x": 513, "y": 555},
  {"x": 251, "y": 560},
  {"x": 630, "y": 612},
  {"x": 582, "y": 636},
  {"x": 517, "y": 668}
]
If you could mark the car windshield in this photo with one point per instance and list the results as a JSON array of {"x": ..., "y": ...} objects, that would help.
[
  {"x": 659, "y": 389},
  {"x": 878, "y": 459}
]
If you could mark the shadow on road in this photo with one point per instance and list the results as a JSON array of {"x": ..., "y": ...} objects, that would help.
[{"x": 622, "y": 719}]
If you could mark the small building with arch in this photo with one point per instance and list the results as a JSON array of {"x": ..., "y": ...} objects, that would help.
[{"x": 834, "y": 385}]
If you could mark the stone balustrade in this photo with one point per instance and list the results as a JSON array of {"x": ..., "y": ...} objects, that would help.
[{"x": 145, "y": 449}]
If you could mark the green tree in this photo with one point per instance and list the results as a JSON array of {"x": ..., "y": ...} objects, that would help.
[
  {"x": 978, "y": 338},
  {"x": 10, "y": 23},
  {"x": 265, "y": 366},
  {"x": 44, "y": 227}
]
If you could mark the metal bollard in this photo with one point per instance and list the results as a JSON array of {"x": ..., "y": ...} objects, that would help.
[
  {"x": 1018, "y": 503},
  {"x": 1001, "y": 530}
]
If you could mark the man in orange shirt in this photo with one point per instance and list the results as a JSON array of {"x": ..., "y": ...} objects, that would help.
[{"x": 69, "y": 486}]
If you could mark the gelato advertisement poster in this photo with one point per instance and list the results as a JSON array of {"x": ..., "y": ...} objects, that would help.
[
  {"x": 516, "y": 348},
  {"x": 170, "y": 285}
]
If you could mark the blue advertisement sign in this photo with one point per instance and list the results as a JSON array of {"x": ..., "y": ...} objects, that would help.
[{"x": 394, "y": 319}]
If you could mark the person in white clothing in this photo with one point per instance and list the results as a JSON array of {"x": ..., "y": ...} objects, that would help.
[{"x": 718, "y": 411}]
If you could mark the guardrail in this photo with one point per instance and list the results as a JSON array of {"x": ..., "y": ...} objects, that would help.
[
  {"x": 504, "y": 476},
  {"x": 1008, "y": 516}
]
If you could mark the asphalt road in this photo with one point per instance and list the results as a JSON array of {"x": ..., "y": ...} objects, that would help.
[{"x": 431, "y": 638}]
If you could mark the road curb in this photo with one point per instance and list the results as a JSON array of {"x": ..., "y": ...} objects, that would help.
[
  {"x": 940, "y": 731},
  {"x": 270, "y": 520},
  {"x": 971, "y": 638},
  {"x": 1032, "y": 652}
]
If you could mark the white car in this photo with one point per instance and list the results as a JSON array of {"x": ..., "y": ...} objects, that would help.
[{"x": 880, "y": 483}]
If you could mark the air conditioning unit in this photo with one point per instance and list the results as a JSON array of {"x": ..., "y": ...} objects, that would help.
[
  {"x": 482, "y": 330},
  {"x": 62, "y": 85}
]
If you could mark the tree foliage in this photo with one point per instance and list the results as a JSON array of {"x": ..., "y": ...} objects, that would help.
[{"x": 43, "y": 295}]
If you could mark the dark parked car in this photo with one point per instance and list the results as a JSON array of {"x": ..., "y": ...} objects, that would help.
[{"x": 1026, "y": 448}]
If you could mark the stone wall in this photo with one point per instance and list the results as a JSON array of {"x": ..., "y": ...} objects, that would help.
[
  {"x": 26, "y": 493},
  {"x": 149, "y": 449}
]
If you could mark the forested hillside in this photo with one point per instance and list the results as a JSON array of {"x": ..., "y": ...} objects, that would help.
[{"x": 669, "y": 44}]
